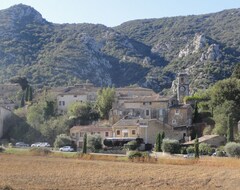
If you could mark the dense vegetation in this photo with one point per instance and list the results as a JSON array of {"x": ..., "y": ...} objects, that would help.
[{"x": 144, "y": 52}]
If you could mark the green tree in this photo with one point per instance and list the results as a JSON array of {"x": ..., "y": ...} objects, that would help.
[
  {"x": 83, "y": 112},
  {"x": 195, "y": 114},
  {"x": 48, "y": 109},
  {"x": 158, "y": 142},
  {"x": 27, "y": 94},
  {"x": 236, "y": 71},
  {"x": 104, "y": 101},
  {"x": 22, "y": 81},
  {"x": 62, "y": 140},
  {"x": 94, "y": 142},
  {"x": 84, "y": 150},
  {"x": 196, "y": 147},
  {"x": 230, "y": 135},
  {"x": 163, "y": 135}
]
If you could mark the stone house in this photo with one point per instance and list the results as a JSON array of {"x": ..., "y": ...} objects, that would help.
[
  {"x": 147, "y": 129},
  {"x": 66, "y": 96},
  {"x": 77, "y": 133},
  {"x": 212, "y": 140},
  {"x": 146, "y": 107}
]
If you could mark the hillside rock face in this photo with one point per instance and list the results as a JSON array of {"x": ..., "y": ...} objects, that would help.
[{"x": 144, "y": 52}]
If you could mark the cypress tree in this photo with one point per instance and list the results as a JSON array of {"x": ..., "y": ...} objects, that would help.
[
  {"x": 30, "y": 96},
  {"x": 22, "y": 104},
  {"x": 27, "y": 94},
  {"x": 230, "y": 136},
  {"x": 84, "y": 151},
  {"x": 195, "y": 116},
  {"x": 163, "y": 135},
  {"x": 158, "y": 142},
  {"x": 196, "y": 147}
]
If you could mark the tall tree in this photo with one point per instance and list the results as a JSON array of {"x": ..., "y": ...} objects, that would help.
[
  {"x": 163, "y": 135},
  {"x": 196, "y": 147},
  {"x": 30, "y": 96},
  {"x": 104, "y": 101},
  {"x": 158, "y": 142},
  {"x": 84, "y": 150},
  {"x": 230, "y": 135},
  {"x": 22, "y": 81}
]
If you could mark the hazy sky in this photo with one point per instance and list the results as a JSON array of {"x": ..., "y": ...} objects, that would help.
[{"x": 115, "y": 12}]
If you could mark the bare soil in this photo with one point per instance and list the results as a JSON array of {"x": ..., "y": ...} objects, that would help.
[{"x": 39, "y": 172}]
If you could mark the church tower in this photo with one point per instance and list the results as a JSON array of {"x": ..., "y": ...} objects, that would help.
[{"x": 182, "y": 86}]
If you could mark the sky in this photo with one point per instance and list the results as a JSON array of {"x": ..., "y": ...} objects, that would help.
[{"x": 114, "y": 12}]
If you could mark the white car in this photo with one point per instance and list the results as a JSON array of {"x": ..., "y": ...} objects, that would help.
[
  {"x": 40, "y": 144},
  {"x": 66, "y": 149}
]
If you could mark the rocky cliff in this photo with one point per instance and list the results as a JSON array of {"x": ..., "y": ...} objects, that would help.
[{"x": 144, "y": 52}]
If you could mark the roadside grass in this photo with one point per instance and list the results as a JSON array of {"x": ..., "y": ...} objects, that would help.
[{"x": 203, "y": 161}]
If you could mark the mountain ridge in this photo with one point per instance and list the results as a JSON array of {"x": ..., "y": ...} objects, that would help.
[{"x": 143, "y": 52}]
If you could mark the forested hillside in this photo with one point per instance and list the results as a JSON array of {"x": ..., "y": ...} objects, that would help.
[{"x": 144, "y": 52}]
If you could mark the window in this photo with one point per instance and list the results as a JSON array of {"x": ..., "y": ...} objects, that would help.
[
  {"x": 133, "y": 132},
  {"x": 59, "y": 103},
  {"x": 63, "y": 103},
  {"x": 182, "y": 80},
  {"x": 118, "y": 132},
  {"x": 173, "y": 121},
  {"x": 150, "y": 103},
  {"x": 73, "y": 134},
  {"x": 177, "y": 112},
  {"x": 106, "y": 134},
  {"x": 143, "y": 103},
  {"x": 74, "y": 96},
  {"x": 81, "y": 134},
  {"x": 92, "y": 133},
  {"x": 161, "y": 112},
  {"x": 125, "y": 134},
  {"x": 77, "y": 134},
  {"x": 147, "y": 113}
]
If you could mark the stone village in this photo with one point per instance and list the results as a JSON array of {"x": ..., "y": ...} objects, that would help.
[{"x": 136, "y": 112}]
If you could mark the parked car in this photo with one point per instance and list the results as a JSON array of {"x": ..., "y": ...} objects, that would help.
[
  {"x": 44, "y": 144},
  {"x": 66, "y": 149},
  {"x": 40, "y": 144},
  {"x": 21, "y": 144}
]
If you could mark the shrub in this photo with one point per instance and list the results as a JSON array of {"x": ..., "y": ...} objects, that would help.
[
  {"x": 220, "y": 153},
  {"x": 7, "y": 187},
  {"x": 2, "y": 149},
  {"x": 132, "y": 145},
  {"x": 171, "y": 146},
  {"x": 232, "y": 149},
  {"x": 134, "y": 154},
  {"x": 190, "y": 150},
  {"x": 94, "y": 142},
  {"x": 183, "y": 150},
  {"x": 36, "y": 151},
  {"x": 205, "y": 149},
  {"x": 62, "y": 140}
]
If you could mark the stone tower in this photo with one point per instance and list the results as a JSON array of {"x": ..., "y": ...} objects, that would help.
[{"x": 182, "y": 86}]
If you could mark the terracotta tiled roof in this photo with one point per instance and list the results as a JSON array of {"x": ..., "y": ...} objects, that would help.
[
  {"x": 154, "y": 98},
  {"x": 127, "y": 122},
  {"x": 90, "y": 128},
  {"x": 202, "y": 139}
]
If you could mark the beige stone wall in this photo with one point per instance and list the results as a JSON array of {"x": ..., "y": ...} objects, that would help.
[
  {"x": 180, "y": 116},
  {"x": 4, "y": 113},
  {"x": 154, "y": 127},
  {"x": 77, "y": 135},
  {"x": 68, "y": 99},
  {"x": 125, "y": 131},
  {"x": 216, "y": 141}
]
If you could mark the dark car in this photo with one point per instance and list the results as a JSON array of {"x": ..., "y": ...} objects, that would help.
[{"x": 21, "y": 144}]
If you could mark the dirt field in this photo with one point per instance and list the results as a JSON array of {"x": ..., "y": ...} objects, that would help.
[{"x": 36, "y": 172}]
